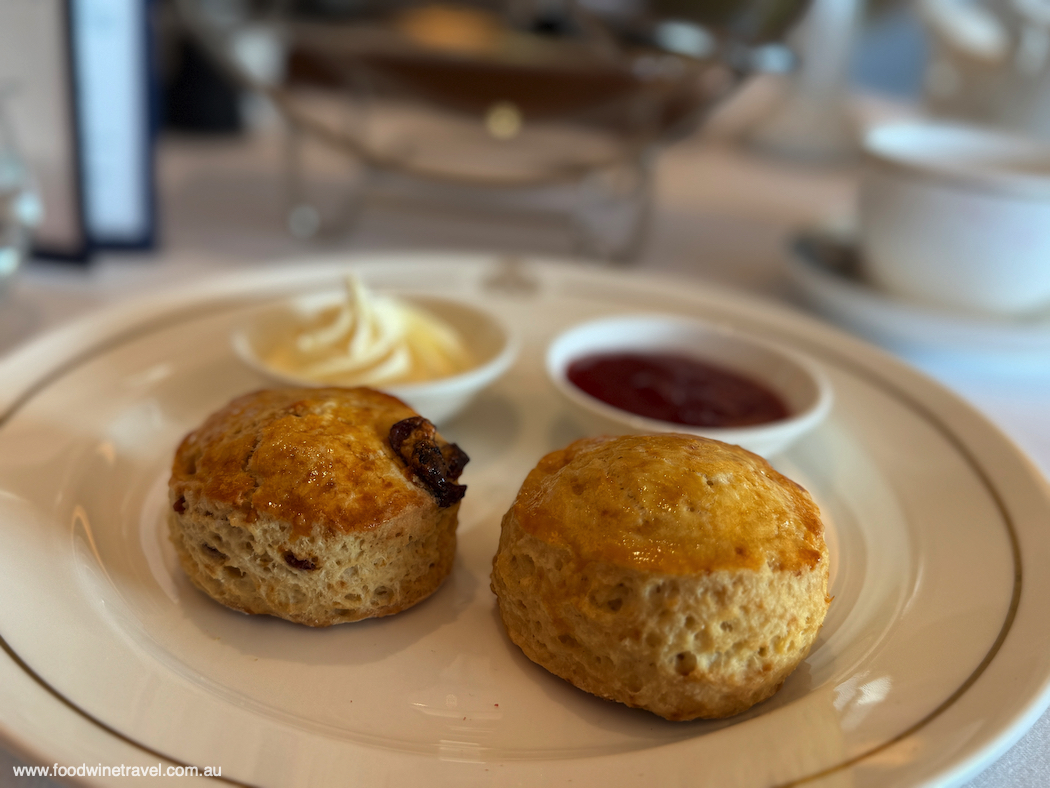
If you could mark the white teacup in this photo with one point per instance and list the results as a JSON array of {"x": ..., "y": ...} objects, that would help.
[{"x": 957, "y": 216}]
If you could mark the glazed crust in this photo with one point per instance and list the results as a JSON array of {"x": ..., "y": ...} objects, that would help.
[
  {"x": 669, "y": 572},
  {"x": 293, "y": 503}
]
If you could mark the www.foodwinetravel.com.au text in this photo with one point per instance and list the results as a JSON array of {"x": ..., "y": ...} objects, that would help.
[{"x": 121, "y": 770}]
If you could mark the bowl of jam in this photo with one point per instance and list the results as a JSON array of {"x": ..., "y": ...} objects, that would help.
[{"x": 664, "y": 373}]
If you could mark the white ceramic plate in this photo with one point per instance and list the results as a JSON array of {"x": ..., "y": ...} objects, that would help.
[
  {"x": 825, "y": 268},
  {"x": 930, "y": 664}
]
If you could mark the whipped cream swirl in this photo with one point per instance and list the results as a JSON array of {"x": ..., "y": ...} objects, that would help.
[{"x": 372, "y": 340}]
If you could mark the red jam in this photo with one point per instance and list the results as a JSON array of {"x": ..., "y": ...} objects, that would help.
[{"x": 677, "y": 389}]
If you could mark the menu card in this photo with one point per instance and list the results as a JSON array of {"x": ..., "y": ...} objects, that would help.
[{"x": 77, "y": 82}]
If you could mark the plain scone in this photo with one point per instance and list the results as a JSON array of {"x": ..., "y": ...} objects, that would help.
[
  {"x": 319, "y": 506},
  {"x": 668, "y": 572}
]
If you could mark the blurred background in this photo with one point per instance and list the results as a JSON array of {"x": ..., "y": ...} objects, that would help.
[
  {"x": 692, "y": 136},
  {"x": 530, "y": 124}
]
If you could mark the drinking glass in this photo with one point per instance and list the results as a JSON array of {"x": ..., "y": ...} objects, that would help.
[{"x": 19, "y": 207}]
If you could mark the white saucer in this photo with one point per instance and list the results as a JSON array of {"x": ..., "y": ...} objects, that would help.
[{"x": 826, "y": 269}]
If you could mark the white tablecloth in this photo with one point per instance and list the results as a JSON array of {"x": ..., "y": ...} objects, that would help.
[{"x": 722, "y": 214}]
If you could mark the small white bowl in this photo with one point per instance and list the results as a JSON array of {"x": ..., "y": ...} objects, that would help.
[
  {"x": 796, "y": 379},
  {"x": 489, "y": 340}
]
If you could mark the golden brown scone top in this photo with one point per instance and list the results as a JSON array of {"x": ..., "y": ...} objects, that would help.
[
  {"x": 307, "y": 456},
  {"x": 672, "y": 503}
]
